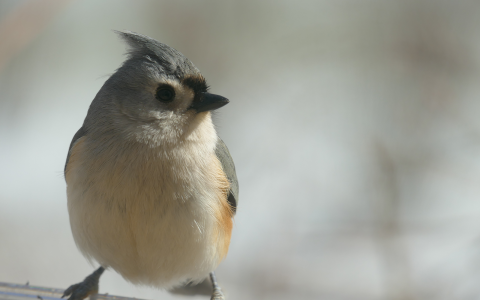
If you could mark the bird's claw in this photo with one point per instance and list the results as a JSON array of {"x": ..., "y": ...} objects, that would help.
[
  {"x": 87, "y": 287},
  {"x": 217, "y": 294},
  {"x": 79, "y": 291}
]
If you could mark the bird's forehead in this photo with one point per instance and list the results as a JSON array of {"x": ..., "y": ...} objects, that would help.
[
  {"x": 161, "y": 60},
  {"x": 196, "y": 82},
  {"x": 182, "y": 90}
]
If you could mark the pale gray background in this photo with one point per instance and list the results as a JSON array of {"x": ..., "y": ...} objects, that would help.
[{"x": 354, "y": 126}]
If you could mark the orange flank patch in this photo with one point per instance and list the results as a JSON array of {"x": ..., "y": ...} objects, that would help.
[{"x": 223, "y": 212}]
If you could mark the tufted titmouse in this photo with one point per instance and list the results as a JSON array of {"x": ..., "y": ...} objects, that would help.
[{"x": 151, "y": 188}]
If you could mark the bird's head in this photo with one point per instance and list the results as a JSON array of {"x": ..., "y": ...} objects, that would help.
[{"x": 156, "y": 95}]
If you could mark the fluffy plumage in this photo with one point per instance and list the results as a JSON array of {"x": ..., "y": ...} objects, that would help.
[{"x": 148, "y": 193}]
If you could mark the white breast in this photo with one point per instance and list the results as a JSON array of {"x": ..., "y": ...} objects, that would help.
[{"x": 157, "y": 216}]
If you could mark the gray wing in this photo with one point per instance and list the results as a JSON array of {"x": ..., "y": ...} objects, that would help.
[
  {"x": 81, "y": 132},
  {"x": 229, "y": 168}
]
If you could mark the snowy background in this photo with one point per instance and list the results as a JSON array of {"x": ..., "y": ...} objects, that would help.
[{"x": 354, "y": 126}]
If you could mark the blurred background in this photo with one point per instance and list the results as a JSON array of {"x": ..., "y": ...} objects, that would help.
[{"x": 354, "y": 126}]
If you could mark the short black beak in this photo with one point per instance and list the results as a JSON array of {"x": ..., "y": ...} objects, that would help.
[{"x": 208, "y": 102}]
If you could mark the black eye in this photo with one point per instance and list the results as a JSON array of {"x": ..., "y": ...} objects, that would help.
[{"x": 165, "y": 94}]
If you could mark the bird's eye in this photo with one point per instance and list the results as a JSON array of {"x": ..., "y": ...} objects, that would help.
[{"x": 165, "y": 94}]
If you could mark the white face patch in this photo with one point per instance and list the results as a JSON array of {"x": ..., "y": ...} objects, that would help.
[
  {"x": 183, "y": 96},
  {"x": 149, "y": 120}
]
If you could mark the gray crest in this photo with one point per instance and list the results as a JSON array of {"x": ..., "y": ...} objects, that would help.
[{"x": 169, "y": 59}]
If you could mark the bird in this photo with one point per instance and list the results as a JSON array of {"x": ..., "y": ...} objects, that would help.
[{"x": 151, "y": 188}]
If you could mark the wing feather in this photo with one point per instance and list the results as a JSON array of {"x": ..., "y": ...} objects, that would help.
[
  {"x": 229, "y": 168},
  {"x": 81, "y": 132}
]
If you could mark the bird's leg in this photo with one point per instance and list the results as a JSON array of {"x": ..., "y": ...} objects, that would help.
[
  {"x": 88, "y": 287},
  {"x": 217, "y": 291}
]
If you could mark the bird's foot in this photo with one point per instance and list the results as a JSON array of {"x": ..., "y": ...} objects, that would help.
[
  {"x": 217, "y": 294},
  {"x": 217, "y": 291},
  {"x": 86, "y": 288}
]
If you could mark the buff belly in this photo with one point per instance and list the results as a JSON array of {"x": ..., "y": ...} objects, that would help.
[{"x": 148, "y": 222}]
